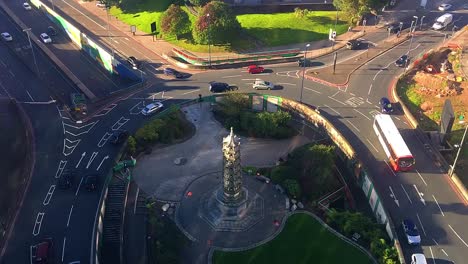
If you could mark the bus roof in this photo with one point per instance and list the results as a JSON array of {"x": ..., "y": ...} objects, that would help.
[{"x": 393, "y": 135}]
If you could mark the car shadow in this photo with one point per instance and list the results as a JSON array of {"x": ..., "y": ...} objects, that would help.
[
  {"x": 268, "y": 71},
  {"x": 278, "y": 87}
]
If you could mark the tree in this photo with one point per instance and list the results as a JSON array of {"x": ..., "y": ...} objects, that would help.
[
  {"x": 215, "y": 24},
  {"x": 175, "y": 21},
  {"x": 131, "y": 145},
  {"x": 199, "y": 2},
  {"x": 293, "y": 188},
  {"x": 354, "y": 9}
]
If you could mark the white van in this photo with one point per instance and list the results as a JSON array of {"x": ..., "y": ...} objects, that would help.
[
  {"x": 418, "y": 259},
  {"x": 442, "y": 21}
]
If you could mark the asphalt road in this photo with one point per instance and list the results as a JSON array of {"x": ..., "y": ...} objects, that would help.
[{"x": 68, "y": 215}]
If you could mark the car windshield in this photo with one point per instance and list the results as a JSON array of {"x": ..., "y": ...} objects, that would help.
[{"x": 149, "y": 107}]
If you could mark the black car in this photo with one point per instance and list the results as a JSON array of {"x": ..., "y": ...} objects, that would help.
[
  {"x": 66, "y": 180},
  {"x": 353, "y": 44},
  {"x": 91, "y": 182},
  {"x": 219, "y": 87},
  {"x": 402, "y": 61},
  {"x": 51, "y": 31},
  {"x": 304, "y": 62},
  {"x": 133, "y": 62},
  {"x": 386, "y": 106},
  {"x": 395, "y": 27},
  {"x": 172, "y": 72},
  {"x": 118, "y": 136}
]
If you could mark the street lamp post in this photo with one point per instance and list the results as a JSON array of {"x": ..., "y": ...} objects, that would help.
[
  {"x": 452, "y": 169},
  {"x": 108, "y": 30},
  {"x": 420, "y": 26},
  {"x": 53, "y": 6},
  {"x": 415, "y": 23},
  {"x": 453, "y": 30},
  {"x": 303, "y": 70},
  {"x": 27, "y": 30},
  {"x": 209, "y": 41}
]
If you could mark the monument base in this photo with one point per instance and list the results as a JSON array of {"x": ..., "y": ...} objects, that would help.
[{"x": 238, "y": 215}]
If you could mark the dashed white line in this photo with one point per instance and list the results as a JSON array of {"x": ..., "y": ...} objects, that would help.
[
  {"x": 310, "y": 89},
  {"x": 432, "y": 255},
  {"x": 63, "y": 247},
  {"x": 362, "y": 114},
  {"x": 32, "y": 99},
  {"x": 376, "y": 150},
  {"x": 458, "y": 236},
  {"x": 370, "y": 88},
  {"x": 292, "y": 84},
  {"x": 443, "y": 251},
  {"x": 420, "y": 176},
  {"x": 422, "y": 227},
  {"x": 49, "y": 195},
  {"x": 69, "y": 216},
  {"x": 79, "y": 185},
  {"x": 407, "y": 195},
  {"x": 438, "y": 205},
  {"x": 38, "y": 223},
  {"x": 338, "y": 113},
  {"x": 335, "y": 94},
  {"x": 231, "y": 76},
  {"x": 336, "y": 100},
  {"x": 192, "y": 91},
  {"x": 353, "y": 126}
]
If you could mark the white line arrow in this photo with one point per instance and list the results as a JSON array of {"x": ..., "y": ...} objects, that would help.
[
  {"x": 393, "y": 196},
  {"x": 93, "y": 156},
  {"x": 420, "y": 194},
  {"x": 82, "y": 156},
  {"x": 106, "y": 157}
]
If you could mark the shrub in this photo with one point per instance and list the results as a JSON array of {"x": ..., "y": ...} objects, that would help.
[
  {"x": 280, "y": 173},
  {"x": 131, "y": 145},
  {"x": 293, "y": 188}
]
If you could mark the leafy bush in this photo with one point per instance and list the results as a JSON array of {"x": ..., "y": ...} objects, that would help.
[
  {"x": 293, "y": 188},
  {"x": 280, "y": 173},
  {"x": 175, "y": 21},
  {"x": 131, "y": 145}
]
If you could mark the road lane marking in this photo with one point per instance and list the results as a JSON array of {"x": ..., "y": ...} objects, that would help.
[
  {"x": 310, "y": 89},
  {"x": 82, "y": 156},
  {"x": 353, "y": 125},
  {"x": 370, "y": 88},
  {"x": 422, "y": 227},
  {"x": 376, "y": 150},
  {"x": 136, "y": 199},
  {"x": 60, "y": 168},
  {"x": 336, "y": 100},
  {"x": 49, "y": 195},
  {"x": 69, "y": 146},
  {"x": 119, "y": 123},
  {"x": 32, "y": 99},
  {"x": 390, "y": 168},
  {"x": 393, "y": 196},
  {"x": 88, "y": 126},
  {"x": 93, "y": 156},
  {"x": 438, "y": 205},
  {"x": 432, "y": 255},
  {"x": 362, "y": 114},
  {"x": 79, "y": 185},
  {"x": 420, "y": 176},
  {"x": 458, "y": 236},
  {"x": 103, "y": 140},
  {"x": 338, "y": 113},
  {"x": 420, "y": 194},
  {"x": 191, "y": 91},
  {"x": 38, "y": 223},
  {"x": 106, "y": 110},
  {"x": 407, "y": 195},
  {"x": 69, "y": 215},
  {"x": 100, "y": 164},
  {"x": 63, "y": 247},
  {"x": 443, "y": 251},
  {"x": 292, "y": 84},
  {"x": 231, "y": 76},
  {"x": 335, "y": 94},
  {"x": 85, "y": 15}
]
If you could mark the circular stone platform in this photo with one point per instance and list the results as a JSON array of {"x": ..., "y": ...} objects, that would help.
[{"x": 207, "y": 220}]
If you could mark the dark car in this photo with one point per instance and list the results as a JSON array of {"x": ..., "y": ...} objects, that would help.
[
  {"x": 66, "y": 180},
  {"x": 118, "y": 136},
  {"x": 395, "y": 27},
  {"x": 402, "y": 61},
  {"x": 91, "y": 182},
  {"x": 219, "y": 87},
  {"x": 411, "y": 232},
  {"x": 172, "y": 72},
  {"x": 385, "y": 105},
  {"x": 133, "y": 62},
  {"x": 353, "y": 44},
  {"x": 42, "y": 252},
  {"x": 304, "y": 62},
  {"x": 51, "y": 31}
]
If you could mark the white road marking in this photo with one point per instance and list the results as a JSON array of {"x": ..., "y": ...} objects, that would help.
[
  {"x": 310, "y": 89},
  {"x": 106, "y": 110},
  {"x": 248, "y": 79},
  {"x": 353, "y": 125},
  {"x": 69, "y": 215},
  {"x": 104, "y": 139},
  {"x": 79, "y": 185},
  {"x": 100, "y": 164},
  {"x": 393, "y": 196},
  {"x": 119, "y": 123},
  {"x": 458, "y": 236},
  {"x": 438, "y": 205},
  {"x": 192, "y": 91},
  {"x": 370, "y": 88},
  {"x": 82, "y": 156},
  {"x": 231, "y": 76},
  {"x": 37, "y": 224},
  {"x": 85, "y": 16},
  {"x": 136, "y": 198},
  {"x": 88, "y": 126},
  {"x": 362, "y": 114},
  {"x": 422, "y": 227},
  {"x": 432, "y": 255},
  {"x": 420, "y": 194},
  {"x": 60, "y": 168},
  {"x": 335, "y": 94},
  {"x": 420, "y": 176},
  {"x": 292, "y": 84},
  {"x": 32, "y": 99},
  {"x": 138, "y": 108},
  {"x": 93, "y": 156},
  {"x": 49, "y": 195},
  {"x": 407, "y": 195},
  {"x": 11, "y": 73},
  {"x": 443, "y": 251},
  {"x": 68, "y": 149},
  {"x": 390, "y": 168},
  {"x": 338, "y": 113},
  {"x": 376, "y": 150},
  {"x": 336, "y": 100},
  {"x": 63, "y": 247}
]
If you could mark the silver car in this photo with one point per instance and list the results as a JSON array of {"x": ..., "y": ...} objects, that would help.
[
  {"x": 152, "y": 108},
  {"x": 260, "y": 84},
  {"x": 45, "y": 38},
  {"x": 6, "y": 36}
]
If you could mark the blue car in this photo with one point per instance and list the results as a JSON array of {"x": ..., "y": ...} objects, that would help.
[
  {"x": 385, "y": 105},
  {"x": 411, "y": 232}
]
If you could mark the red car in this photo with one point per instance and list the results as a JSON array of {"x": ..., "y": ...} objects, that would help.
[{"x": 255, "y": 69}]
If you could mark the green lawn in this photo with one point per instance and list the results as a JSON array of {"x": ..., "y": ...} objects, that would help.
[
  {"x": 286, "y": 28},
  {"x": 303, "y": 240}
]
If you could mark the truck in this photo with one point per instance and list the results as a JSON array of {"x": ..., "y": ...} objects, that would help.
[
  {"x": 78, "y": 102},
  {"x": 442, "y": 21}
]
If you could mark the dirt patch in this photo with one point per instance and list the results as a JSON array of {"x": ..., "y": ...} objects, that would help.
[{"x": 14, "y": 164}]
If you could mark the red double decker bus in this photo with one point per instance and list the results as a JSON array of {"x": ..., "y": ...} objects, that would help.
[{"x": 393, "y": 144}]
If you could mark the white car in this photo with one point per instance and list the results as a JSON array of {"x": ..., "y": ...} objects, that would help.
[
  {"x": 100, "y": 4},
  {"x": 444, "y": 7},
  {"x": 6, "y": 36},
  {"x": 45, "y": 38},
  {"x": 260, "y": 84},
  {"x": 152, "y": 108},
  {"x": 26, "y": 6}
]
